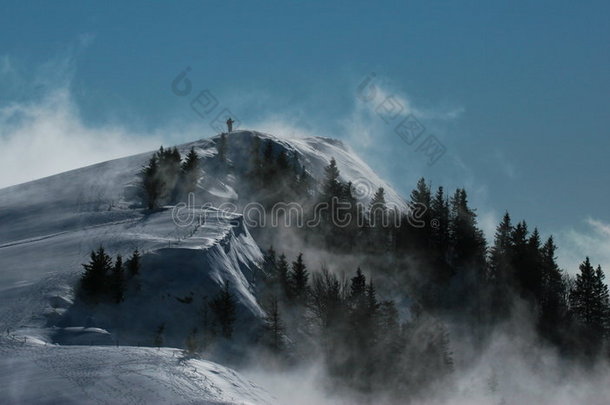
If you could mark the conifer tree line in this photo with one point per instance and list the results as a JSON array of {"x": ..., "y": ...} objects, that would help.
[
  {"x": 167, "y": 178},
  {"x": 446, "y": 266},
  {"x": 459, "y": 273},
  {"x": 105, "y": 280},
  {"x": 364, "y": 342},
  {"x": 462, "y": 275}
]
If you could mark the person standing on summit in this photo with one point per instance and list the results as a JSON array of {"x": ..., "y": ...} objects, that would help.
[{"x": 230, "y": 124}]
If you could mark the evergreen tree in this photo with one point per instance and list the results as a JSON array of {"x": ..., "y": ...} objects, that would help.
[
  {"x": 305, "y": 184},
  {"x": 345, "y": 214},
  {"x": 274, "y": 327},
  {"x": 603, "y": 304},
  {"x": 283, "y": 276},
  {"x": 589, "y": 305},
  {"x": 519, "y": 257},
  {"x": 190, "y": 172},
  {"x": 159, "y": 179},
  {"x": 533, "y": 274},
  {"x": 331, "y": 186},
  {"x": 467, "y": 241},
  {"x": 270, "y": 265},
  {"x": 378, "y": 210},
  {"x": 553, "y": 305},
  {"x": 358, "y": 289},
  {"x": 223, "y": 308},
  {"x": 169, "y": 170},
  {"x": 299, "y": 277},
  {"x": 94, "y": 282},
  {"x": 151, "y": 184},
  {"x": 372, "y": 306},
  {"x": 499, "y": 260},
  {"x": 439, "y": 211},
  {"x": 421, "y": 197},
  {"x": 500, "y": 274},
  {"x": 467, "y": 252}
]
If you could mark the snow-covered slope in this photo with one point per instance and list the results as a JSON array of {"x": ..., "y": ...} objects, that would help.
[
  {"x": 34, "y": 373},
  {"x": 48, "y": 228}
]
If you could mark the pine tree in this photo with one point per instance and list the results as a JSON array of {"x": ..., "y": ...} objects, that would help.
[
  {"x": 467, "y": 241},
  {"x": 305, "y": 184},
  {"x": 94, "y": 282},
  {"x": 223, "y": 308},
  {"x": 500, "y": 275},
  {"x": 274, "y": 327},
  {"x": 378, "y": 210},
  {"x": 190, "y": 172},
  {"x": 151, "y": 184},
  {"x": 159, "y": 179},
  {"x": 421, "y": 197},
  {"x": 358, "y": 289},
  {"x": 467, "y": 252},
  {"x": 582, "y": 297},
  {"x": 589, "y": 305},
  {"x": 169, "y": 169},
  {"x": 520, "y": 257},
  {"x": 270, "y": 265},
  {"x": 533, "y": 275},
  {"x": 499, "y": 261},
  {"x": 331, "y": 186},
  {"x": 553, "y": 306},
  {"x": 372, "y": 304},
  {"x": 439, "y": 211},
  {"x": 602, "y": 298},
  {"x": 299, "y": 277},
  {"x": 283, "y": 276}
]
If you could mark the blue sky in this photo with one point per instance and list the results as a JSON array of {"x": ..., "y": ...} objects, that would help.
[{"x": 516, "y": 92}]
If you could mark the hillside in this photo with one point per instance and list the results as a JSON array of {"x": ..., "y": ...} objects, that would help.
[{"x": 49, "y": 227}]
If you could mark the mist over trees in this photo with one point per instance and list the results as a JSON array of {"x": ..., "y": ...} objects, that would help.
[
  {"x": 448, "y": 270},
  {"x": 382, "y": 324},
  {"x": 166, "y": 178},
  {"x": 364, "y": 342}
]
